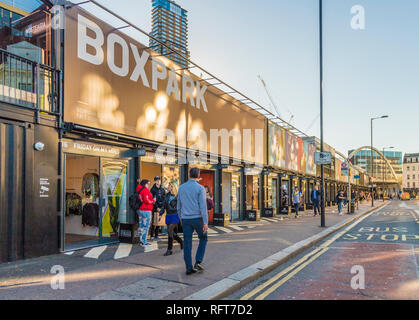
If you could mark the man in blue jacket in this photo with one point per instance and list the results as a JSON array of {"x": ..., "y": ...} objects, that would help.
[
  {"x": 315, "y": 200},
  {"x": 192, "y": 209}
]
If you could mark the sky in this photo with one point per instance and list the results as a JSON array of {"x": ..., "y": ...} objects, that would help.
[{"x": 367, "y": 73}]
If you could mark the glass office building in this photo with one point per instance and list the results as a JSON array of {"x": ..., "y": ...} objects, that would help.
[
  {"x": 381, "y": 171},
  {"x": 170, "y": 26}
]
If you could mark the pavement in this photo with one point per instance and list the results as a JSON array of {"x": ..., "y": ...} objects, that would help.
[{"x": 235, "y": 255}]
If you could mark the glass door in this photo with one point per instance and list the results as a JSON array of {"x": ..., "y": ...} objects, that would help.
[
  {"x": 235, "y": 196},
  {"x": 274, "y": 194},
  {"x": 113, "y": 197}
]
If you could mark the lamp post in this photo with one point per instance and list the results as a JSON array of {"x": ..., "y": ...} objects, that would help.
[
  {"x": 322, "y": 209},
  {"x": 384, "y": 167},
  {"x": 372, "y": 162}
]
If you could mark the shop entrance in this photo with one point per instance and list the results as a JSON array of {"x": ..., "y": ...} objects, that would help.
[{"x": 95, "y": 200}]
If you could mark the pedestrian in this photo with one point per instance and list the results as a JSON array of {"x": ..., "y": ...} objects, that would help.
[
  {"x": 340, "y": 197},
  {"x": 210, "y": 200},
  {"x": 144, "y": 213},
  {"x": 172, "y": 217},
  {"x": 159, "y": 195},
  {"x": 192, "y": 208},
  {"x": 296, "y": 199},
  {"x": 315, "y": 200}
]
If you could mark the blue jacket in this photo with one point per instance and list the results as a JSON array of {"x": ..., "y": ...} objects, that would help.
[
  {"x": 317, "y": 194},
  {"x": 192, "y": 202}
]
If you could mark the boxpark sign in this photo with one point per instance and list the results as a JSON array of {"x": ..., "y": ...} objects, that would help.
[{"x": 115, "y": 83}]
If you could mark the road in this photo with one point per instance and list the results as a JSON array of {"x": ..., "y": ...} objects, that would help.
[{"x": 376, "y": 257}]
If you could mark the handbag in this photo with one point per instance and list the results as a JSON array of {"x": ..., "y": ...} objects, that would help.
[{"x": 161, "y": 220}]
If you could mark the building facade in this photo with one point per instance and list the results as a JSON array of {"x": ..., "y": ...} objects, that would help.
[
  {"x": 382, "y": 173},
  {"x": 411, "y": 172},
  {"x": 170, "y": 26},
  {"x": 73, "y": 145}
]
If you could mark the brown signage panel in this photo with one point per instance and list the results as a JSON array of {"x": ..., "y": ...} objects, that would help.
[{"x": 113, "y": 83}]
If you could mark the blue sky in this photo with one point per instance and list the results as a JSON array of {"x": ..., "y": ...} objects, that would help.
[{"x": 367, "y": 73}]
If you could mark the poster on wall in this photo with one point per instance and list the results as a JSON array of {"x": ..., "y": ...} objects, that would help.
[
  {"x": 338, "y": 173},
  {"x": 301, "y": 157},
  {"x": 276, "y": 139},
  {"x": 309, "y": 150},
  {"x": 291, "y": 155}
]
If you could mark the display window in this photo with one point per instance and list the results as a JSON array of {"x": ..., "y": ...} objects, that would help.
[
  {"x": 252, "y": 192},
  {"x": 231, "y": 192},
  {"x": 95, "y": 199},
  {"x": 285, "y": 193}
]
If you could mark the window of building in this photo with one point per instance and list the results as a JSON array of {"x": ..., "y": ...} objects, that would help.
[
  {"x": 408, "y": 177},
  {"x": 408, "y": 184}
]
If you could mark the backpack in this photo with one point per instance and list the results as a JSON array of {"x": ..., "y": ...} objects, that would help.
[{"x": 135, "y": 201}]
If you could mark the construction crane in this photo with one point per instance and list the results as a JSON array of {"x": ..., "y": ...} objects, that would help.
[
  {"x": 272, "y": 101},
  {"x": 313, "y": 122}
]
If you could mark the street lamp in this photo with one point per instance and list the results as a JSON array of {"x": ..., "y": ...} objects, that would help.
[
  {"x": 372, "y": 162},
  {"x": 384, "y": 168}
]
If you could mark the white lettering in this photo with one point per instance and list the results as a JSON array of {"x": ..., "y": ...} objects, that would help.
[
  {"x": 188, "y": 87},
  {"x": 140, "y": 64},
  {"x": 123, "y": 70},
  {"x": 84, "y": 40},
  {"x": 172, "y": 85},
  {"x": 200, "y": 96},
  {"x": 156, "y": 73}
]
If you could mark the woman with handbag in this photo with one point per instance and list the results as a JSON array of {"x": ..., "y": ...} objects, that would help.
[{"x": 172, "y": 217}]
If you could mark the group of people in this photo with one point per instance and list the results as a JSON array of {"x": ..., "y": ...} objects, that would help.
[
  {"x": 187, "y": 206},
  {"x": 341, "y": 199}
]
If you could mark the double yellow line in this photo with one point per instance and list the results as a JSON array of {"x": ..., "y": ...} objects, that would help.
[{"x": 296, "y": 267}]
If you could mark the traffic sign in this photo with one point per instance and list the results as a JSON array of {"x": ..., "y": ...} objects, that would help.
[
  {"x": 357, "y": 177},
  {"x": 322, "y": 157}
]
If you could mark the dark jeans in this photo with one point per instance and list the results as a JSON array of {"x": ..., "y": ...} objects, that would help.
[
  {"x": 316, "y": 207},
  {"x": 189, "y": 225},
  {"x": 296, "y": 207},
  {"x": 172, "y": 232}
]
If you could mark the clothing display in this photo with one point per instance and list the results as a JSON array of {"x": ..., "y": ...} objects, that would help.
[
  {"x": 73, "y": 204},
  {"x": 90, "y": 215},
  {"x": 90, "y": 185}
]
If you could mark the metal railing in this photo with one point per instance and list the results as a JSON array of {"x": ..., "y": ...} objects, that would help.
[{"x": 29, "y": 84}]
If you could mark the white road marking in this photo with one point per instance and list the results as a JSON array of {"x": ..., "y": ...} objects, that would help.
[
  {"x": 95, "y": 252},
  {"x": 123, "y": 251},
  {"x": 269, "y": 219},
  {"x": 236, "y": 227},
  {"x": 69, "y": 253},
  {"x": 154, "y": 246},
  {"x": 224, "y": 229},
  {"x": 210, "y": 231}
]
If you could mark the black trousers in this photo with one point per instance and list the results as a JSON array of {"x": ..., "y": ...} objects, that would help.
[
  {"x": 316, "y": 207},
  {"x": 154, "y": 230},
  {"x": 172, "y": 233}
]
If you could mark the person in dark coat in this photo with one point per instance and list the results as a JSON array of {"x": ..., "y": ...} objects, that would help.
[
  {"x": 159, "y": 195},
  {"x": 315, "y": 200},
  {"x": 172, "y": 217}
]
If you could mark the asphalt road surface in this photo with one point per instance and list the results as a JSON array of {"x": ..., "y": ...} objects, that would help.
[{"x": 376, "y": 257}]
